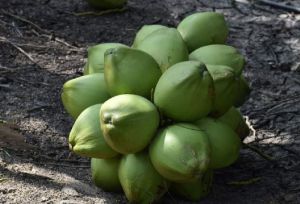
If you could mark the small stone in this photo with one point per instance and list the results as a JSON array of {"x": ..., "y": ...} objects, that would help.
[
  {"x": 70, "y": 191},
  {"x": 283, "y": 16},
  {"x": 296, "y": 67},
  {"x": 289, "y": 197},
  {"x": 69, "y": 202},
  {"x": 44, "y": 199},
  {"x": 81, "y": 187}
]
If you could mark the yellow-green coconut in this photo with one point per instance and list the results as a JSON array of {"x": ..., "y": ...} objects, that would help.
[
  {"x": 140, "y": 181},
  {"x": 203, "y": 28},
  {"x": 130, "y": 71},
  {"x": 82, "y": 92},
  {"x": 166, "y": 46},
  {"x": 225, "y": 143},
  {"x": 86, "y": 138},
  {"x": 181, "y": 152},
  {"x": 185, "y": 91},
  {"x": 105, "y": 174},
  {"x": 128, "y": 122}
]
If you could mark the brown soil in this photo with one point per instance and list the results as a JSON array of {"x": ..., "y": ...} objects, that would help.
[{"x": 42, "y": 170}]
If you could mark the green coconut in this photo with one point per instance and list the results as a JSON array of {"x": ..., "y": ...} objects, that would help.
[
  {"x": 144, "y": 32},
  {"x": 243, "y": 92},
  {"x": 225, "y": 143},
  {"x": 107, "y": 4},
  {"x": 185, "y": 91},
  {"x": 105, "y": 174},
  {"x": 202, "y": 29},
  {"x": 194, "y": 191},
  {"x": 220, "y": 55},
  {"x": 180, "y": 152},
  {"x": 128, "y": 122},
  {"x": 82, "y": 92},
  {"x": 225, "y": 88},
  {"x": 140, "y": 181},
  {"x": 86, "y": 138},
  {"x": 95, "y": 62},
  {"x": 166, "y": 46},
  {"x": 234, "y": 119},
  {"x": 130, "y": 71}
]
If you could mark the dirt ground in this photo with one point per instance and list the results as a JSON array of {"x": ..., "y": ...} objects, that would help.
[{"x": 43, "y": 44}]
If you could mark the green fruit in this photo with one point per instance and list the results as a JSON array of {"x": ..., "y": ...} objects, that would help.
[
  {"x": 86, "y": 138},
  {"x": 184, "y": 92},
  {"x": 107, "y": 4},
  {"x": 95, "y": 62},
  {"x": 166, "y": 46},
  {"x": 234, "y": 119},
  {"x": 220, "y": 55},
  {"x": 225, "y": 88},
  {"x": 194, "y": 191},
  {"x": 202, "y": 29},
  {"x": 128, "y": 122},
  {"x": 82, "y": 92},
  {"x": 105, "y": 173},
  {"x": 242, "y": 92},
  {"x": 225, "y": 143},
  {"x": 144, "y": 32},
  {"x": 180, "y": 152},
  {"x": 140, "y": 181},
  {"x": 130, "y": 71}
]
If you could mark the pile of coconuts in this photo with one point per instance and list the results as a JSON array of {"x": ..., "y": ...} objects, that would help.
[{"x": 160, "y": 116}]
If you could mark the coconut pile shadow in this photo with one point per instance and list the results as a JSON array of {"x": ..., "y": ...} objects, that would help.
[{"x": 160, "y": 115}]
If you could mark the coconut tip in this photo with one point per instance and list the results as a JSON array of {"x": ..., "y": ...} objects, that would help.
[{"x": 71, "y": 147}]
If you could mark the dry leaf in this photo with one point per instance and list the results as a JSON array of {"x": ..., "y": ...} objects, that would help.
[{"x": 10, "y": 138}]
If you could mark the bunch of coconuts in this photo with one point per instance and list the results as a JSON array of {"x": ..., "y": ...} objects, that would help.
[{"x": 160, "y": 115}]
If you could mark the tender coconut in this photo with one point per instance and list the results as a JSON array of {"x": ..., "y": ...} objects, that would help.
[
  {"x": 225, "y": 143},
  {"x": 86, "y": 138},
  {"x": 181, "y": 152},
  {"x": 128, "y": 122},
  {"x": 130, "y": 71},
  {"x": 140, "y": 181},
  {"x": 105, "y": 173},
  {"x": 202, "y": 29},
  {"x": 82, "y": 92},
  {"x": 95, "y": 61}
]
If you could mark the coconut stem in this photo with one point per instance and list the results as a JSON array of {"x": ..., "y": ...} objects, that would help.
[
  {"x": 100, "y": 13},
  {"x": 70, "y": 147}
]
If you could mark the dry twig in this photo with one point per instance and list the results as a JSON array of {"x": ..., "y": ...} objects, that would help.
[
  {"x": 3, "y": 179},
  {"x": 5, "y": 40},
  {"x": 244, "y": 182},
  {"x": 63, "y": 165},
  {"x": 278, "y": 104},
  {"x": 100, "y": 13},
  {"x": 47, "y": 33},
  {"x": 24, "y": 20},
  {"x": 6, "y": 86},
  {"x": 11, "y": 70},
  {"x": 280, "y": 5},
  {"x": 59, "y": 40},
  {"x": 259, "y": 152}
]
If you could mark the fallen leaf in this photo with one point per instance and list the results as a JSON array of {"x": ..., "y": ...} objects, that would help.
[{"x": 12, "y": 139}]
